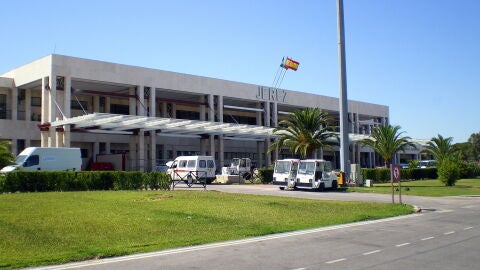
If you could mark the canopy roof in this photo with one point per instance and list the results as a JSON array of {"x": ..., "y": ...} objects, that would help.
[{"x": 129, "y": 124}]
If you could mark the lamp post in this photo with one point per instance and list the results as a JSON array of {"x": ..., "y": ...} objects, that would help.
[{"x": 343, "y": 101}]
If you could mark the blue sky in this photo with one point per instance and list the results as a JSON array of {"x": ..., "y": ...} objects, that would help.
[{"x": 419, "y": 57}]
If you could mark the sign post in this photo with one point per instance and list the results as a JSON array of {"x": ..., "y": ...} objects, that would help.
[{"x": 395, "y": 177}]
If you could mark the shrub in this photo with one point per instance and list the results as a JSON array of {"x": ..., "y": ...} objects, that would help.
[
  {"x": 449, "y": 171},
  {"x": 469, "y": 170},
  {"x": 266, "y": 175}
]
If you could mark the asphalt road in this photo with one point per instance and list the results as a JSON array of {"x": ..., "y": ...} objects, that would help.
[{"x": 445, "y": 235}]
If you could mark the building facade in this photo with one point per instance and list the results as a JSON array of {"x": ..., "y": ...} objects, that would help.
[{"x": 58, "y": 88}]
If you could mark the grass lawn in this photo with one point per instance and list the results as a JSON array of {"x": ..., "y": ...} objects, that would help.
[
  {"x": 58, "y": 227},
  {"x": 427, "y": 188}
]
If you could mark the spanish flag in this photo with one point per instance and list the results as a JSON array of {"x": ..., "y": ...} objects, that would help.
[{"x": 291, "y": 64}]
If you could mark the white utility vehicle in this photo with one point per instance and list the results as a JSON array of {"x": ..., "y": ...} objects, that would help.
[
  {"x": 238, "y": 166},
  {"x": 192, "y": 169},
  {"x": 285, "y": 173},
  {"x": 47, "y": 159},
  {"x": 316, "y": 174}
]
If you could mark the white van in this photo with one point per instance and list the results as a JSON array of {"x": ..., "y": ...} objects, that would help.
[
  {"x": 285, "y": 173},
  {"x": 316, "y": 174},
  {"x": 47, "y": 159},
  {"x": 192, "y": 168}
]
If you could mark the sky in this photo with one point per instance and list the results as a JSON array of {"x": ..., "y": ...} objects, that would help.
[{"x": 418, "y": 57}]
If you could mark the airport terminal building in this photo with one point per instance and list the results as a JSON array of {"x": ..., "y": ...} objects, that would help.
[{"x": 153, "y": 115}]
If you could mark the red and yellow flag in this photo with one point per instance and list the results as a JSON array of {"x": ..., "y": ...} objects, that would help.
[{"x": 291, "y": 64}]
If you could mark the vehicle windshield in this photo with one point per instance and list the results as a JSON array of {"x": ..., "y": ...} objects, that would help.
[
  {"x": 282, "y": 166},
  {"x": 20, "y": 159},
  {"x": 235, "y": 162},
  {"x": 306, "y": 168}
]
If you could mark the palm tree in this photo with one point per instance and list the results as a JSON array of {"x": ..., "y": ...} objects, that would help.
[
  {"x": 304, "y": 132},
  {"x": 387, "y": 140},
  {"x": 6, "y": 157},
  {"x": 439, "y": 147}
]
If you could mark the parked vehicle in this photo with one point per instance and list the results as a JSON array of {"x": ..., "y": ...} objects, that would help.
[
  {"x": 285, "y": 173},
  {"x": 427, "y": 164},
  {"x": 47, "y": 159},
  {"x": 315, "y": 174},
  {"x": 238, "y": 166},
  {"x": 192, "y": 168}
]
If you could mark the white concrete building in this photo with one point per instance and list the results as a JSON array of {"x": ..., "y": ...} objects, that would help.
[{"x": 137, "y": 111}]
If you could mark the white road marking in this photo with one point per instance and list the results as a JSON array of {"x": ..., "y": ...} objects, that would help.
[
  {"x": 372, "y": 252},
  {"x": 451, "y": 232},
  {"x": 403, "y": 244},
  {"x": 335, "y": 261},
  {"x": 427, "y": 238},
  {"x": 467, "y": 228}
]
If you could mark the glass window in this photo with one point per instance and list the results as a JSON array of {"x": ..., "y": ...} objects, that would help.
[
  {"x": 3, "y": 106},
  {"x": 36, "y": 101},
  {"x": 211, "y": 164},
  {"x": 182, "y": 164},
  {"x": 32, "y": 161},
  {"x": 75, "y": 105},
  {"x": 191, "y": 164},
  {"x": 202, "y": 163}
]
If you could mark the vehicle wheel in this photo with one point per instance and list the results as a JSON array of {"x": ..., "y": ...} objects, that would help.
[
  {"x": 321, "y": 187},
  {"x": 334, "y": 185},
  {"x": 281, "y": 188}
]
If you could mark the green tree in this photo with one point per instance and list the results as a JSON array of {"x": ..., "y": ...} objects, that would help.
[
  {"x": 439, "y": 147},
  {"x": 6, "y": 157},
  {"x": 304, "y": 132},
  {"x": 474, "y": 140},
  {"x": 387, "y": 141}
]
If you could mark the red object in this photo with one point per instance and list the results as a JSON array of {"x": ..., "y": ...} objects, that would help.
[{"x": 102, "y": 166}]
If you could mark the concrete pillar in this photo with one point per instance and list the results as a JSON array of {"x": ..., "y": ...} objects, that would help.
[
  {"x": 44, "y": 112},
  {"x": 153, "y": 134},
  {"x": 96, "y": 103},
  {"x": 321, "y": 153},
  {"x": 174, "y": 110},
  {"x": 221, "y": 150},
  {"x": 275, "y": 114},
  {"x": 108, "y": 146},
  {"x": 267, "y": 114},
  {"x": 52, "y": 107},
  {"x": 67, "y": 111},
  {"x": 132, "y": 102},
  {"x": 212, "y": 145},
  {"x": 202, "y": 108},
  {"x": 268, "y": 155},
  {"x": 95, "y": 151},
  {"x": 141, "y": 134},
  {"x": 14, "y": 102},
  {"x": 220, "y": 108},
  {"x": 108, "y": 102},
  {"x": 59, "y": 139},
  {"x": 259, "y": 154},
  {"x": 14, "y": 147},
  {"x": 28, "y": 105},
  {"x": 259, "y": 114},
  {"x": 141, "y": 150},
  {"x": 352, "y": 122},
  {"x": 221, "y": 142},
  {"x": 132, "y": 154},
  {"x": 211, "y": 109},
  {"x": 164, "y": 110},
  {"x": 357, "y": 124}
]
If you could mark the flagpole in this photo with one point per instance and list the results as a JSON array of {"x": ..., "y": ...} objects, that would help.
[{"x": 343, "y": 101}]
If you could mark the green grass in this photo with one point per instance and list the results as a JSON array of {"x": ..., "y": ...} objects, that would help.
[
  {"x": 432, "y": 188},
  {"x": 58, "y": 227}
]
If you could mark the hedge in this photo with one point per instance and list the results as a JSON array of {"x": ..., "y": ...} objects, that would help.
[
  {"x": 31, "y": 181},
  {"x": 383, "y": 175}
]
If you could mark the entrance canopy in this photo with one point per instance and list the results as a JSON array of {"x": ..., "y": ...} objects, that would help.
[{"x": 129, "y": 124}]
